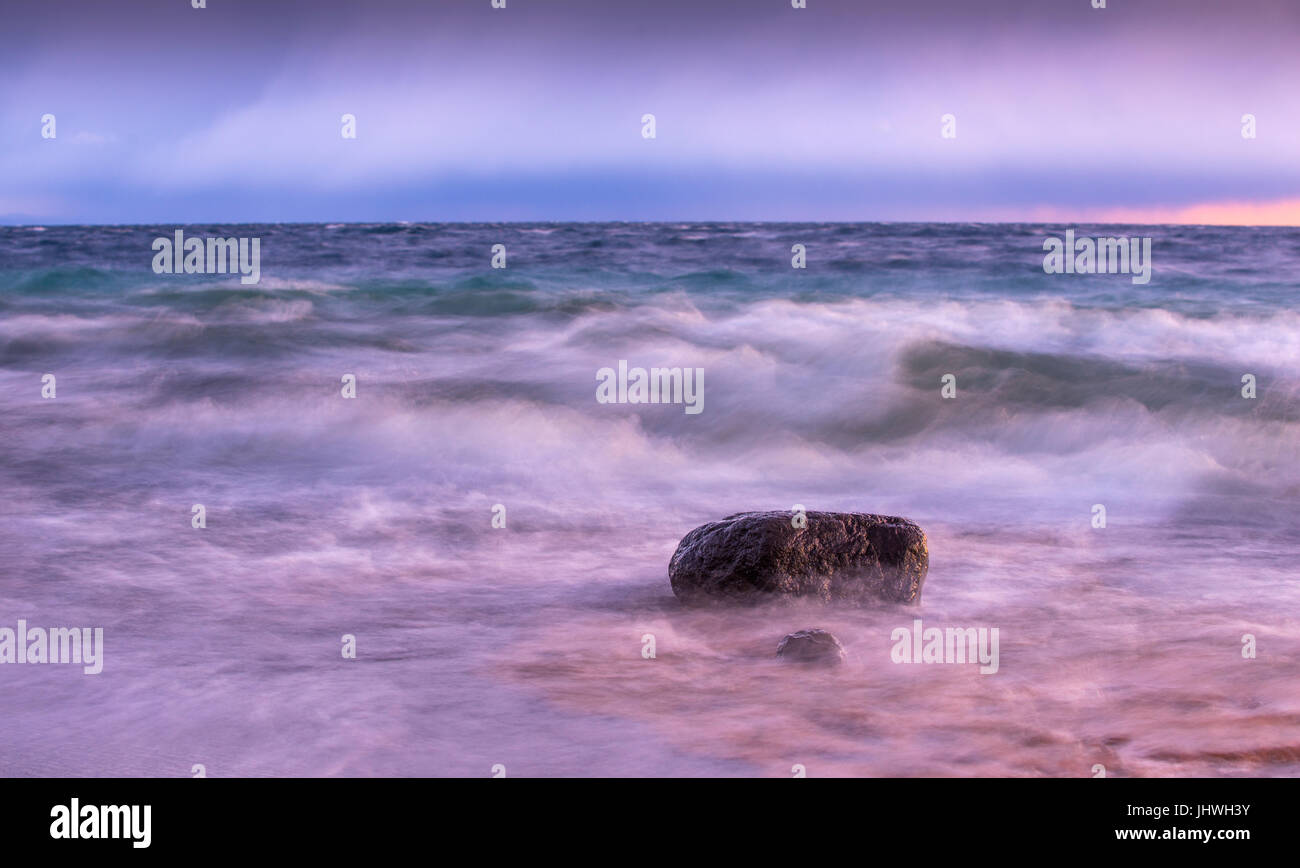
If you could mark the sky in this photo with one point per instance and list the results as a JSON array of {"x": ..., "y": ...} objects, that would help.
[{"x": 1063, "y": 112}]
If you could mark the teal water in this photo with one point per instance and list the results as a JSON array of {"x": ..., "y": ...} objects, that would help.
[{"x": 522, "y": 646}]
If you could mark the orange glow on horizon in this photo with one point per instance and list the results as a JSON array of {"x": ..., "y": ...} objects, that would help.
[{"x": 1284, "y": 212}]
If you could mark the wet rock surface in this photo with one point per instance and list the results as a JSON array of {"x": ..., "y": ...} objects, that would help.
[
  {"x": 813, "y": 645},
  {"x": 837, "y": 557}
]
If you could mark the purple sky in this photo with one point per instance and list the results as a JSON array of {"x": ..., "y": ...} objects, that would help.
[{"x": 167, "y": 113}]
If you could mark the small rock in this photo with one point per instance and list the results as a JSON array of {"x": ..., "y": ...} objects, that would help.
[{"x": 813, "y": 645}]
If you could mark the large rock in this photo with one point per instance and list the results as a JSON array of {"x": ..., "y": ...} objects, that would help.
[
  {"x": 838, "y": 557},
  {"x": 813, "y": 645}
]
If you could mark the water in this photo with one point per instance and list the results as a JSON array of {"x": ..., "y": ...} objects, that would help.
[{"x": 475, "y": 387}]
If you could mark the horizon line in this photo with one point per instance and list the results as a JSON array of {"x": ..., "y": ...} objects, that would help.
[{"x": 695, "y": 222}]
